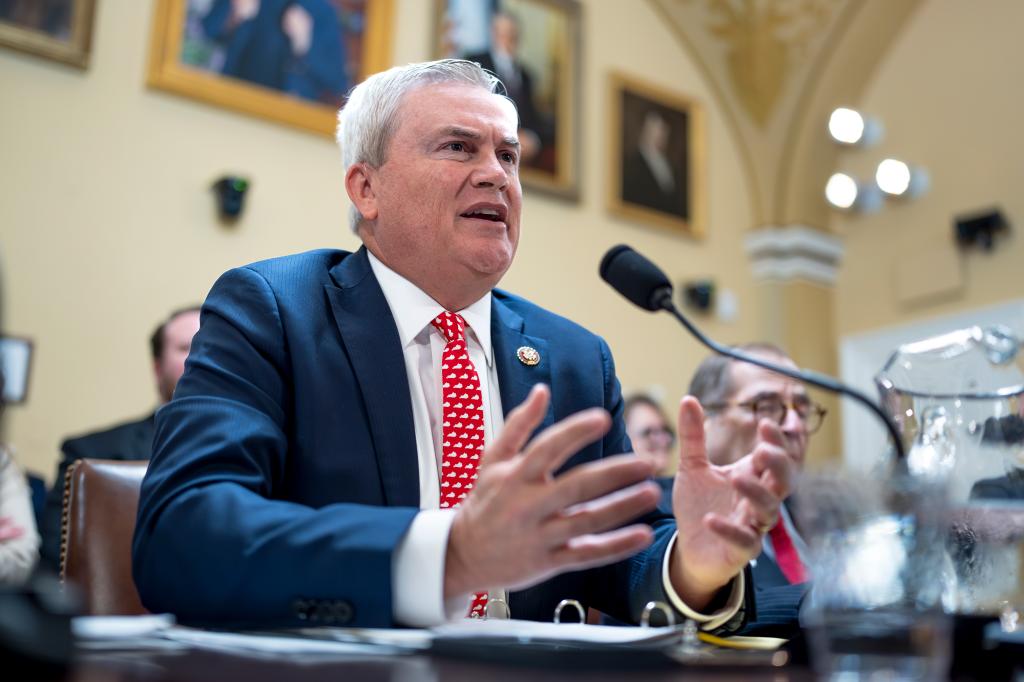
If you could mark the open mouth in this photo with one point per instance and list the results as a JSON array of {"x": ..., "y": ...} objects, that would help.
[{"x": 494, "y": 214}]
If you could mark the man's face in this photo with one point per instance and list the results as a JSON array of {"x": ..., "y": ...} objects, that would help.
[
  {"x": 654, "y": 132},
  {"x": 732, "y": 432},
  {"x": 170, "y": 365},
  {"x": 505, "y": 35},
  {"x": 446, "y": 203}
]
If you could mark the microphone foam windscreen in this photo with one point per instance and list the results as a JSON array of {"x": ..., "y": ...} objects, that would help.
[{"x": 635, "y": 277}]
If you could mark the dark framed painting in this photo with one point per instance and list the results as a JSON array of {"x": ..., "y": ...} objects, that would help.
[
  {"x": 56, "y": 29},
  {"x": 657, "y": 156},
  {"x": 533, "y": 46},
  {"x": 283, "y": 60},
  {"x": 15, "y": 363}
]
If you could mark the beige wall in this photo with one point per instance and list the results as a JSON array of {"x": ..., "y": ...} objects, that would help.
[
  {"x": 950, "y": 96},
  {"x": 107, "y": 222}
]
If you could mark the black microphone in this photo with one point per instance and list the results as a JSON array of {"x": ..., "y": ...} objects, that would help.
[
  {"x": 645, "y": 285},
  {"x": 636, "y": 278}
]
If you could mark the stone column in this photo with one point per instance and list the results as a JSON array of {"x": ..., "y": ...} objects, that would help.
[{"x": 796, "y": 268}]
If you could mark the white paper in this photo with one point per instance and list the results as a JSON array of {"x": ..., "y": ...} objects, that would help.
[
  {"x": 120, "y": 627},
  {"x": 272, "y": 644},
  {"x": 525, "y": 630}
]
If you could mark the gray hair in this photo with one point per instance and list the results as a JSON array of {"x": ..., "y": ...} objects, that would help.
[
  {"x": 370, "y": 116},
  {"x": 712, "y": 382}
]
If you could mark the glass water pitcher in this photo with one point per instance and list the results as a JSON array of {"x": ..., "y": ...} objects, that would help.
[{"x": 958, "y": 401}]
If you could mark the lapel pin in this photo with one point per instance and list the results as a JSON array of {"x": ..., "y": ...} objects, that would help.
[{"x": 528, "y": 356}]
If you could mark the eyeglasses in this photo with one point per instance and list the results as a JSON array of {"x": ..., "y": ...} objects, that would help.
[
  {"x": 812, "y": 414},
  {"x": 657, "y": 432}
]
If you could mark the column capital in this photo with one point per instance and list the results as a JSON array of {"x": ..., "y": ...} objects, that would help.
[{"x": 792, "y": 252}]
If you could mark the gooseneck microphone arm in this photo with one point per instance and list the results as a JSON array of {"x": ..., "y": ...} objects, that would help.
[
  {"x": 806, "y": 376},
  {"x": 643, "y": 283}
]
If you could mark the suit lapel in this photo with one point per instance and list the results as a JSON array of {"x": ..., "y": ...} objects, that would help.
[
  {"x": 370, "y": 337},
  {"x": 515, "y": 377}
]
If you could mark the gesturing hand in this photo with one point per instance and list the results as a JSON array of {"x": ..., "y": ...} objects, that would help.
[
  {"x": 9, "y": 530},
  {"x": 722, "y": 511},
  {"x": 521, "y": 525}
]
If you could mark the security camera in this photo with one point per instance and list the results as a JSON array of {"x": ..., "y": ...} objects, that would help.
[
  {"x": 699, "y": 295},
  {"x": 230, "y": 192},
  {"x": 980, "y": 229}
]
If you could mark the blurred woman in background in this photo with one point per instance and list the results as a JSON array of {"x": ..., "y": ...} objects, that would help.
[{"x": 19, "y": 540}]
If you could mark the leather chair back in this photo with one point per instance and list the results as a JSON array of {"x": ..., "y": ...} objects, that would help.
[{"x": 101, "y": 498}]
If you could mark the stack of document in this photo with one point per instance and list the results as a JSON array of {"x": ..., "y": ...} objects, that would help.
[{"x": 493, "y": 640}]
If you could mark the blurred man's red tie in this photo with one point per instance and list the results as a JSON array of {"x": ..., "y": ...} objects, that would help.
[{"x": 786, "y": 555}]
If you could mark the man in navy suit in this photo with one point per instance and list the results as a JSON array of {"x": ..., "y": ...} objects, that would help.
[{"x": 295, "y": 475}]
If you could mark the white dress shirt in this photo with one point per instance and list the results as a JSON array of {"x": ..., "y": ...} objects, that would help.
[{"x": 418, "y": 562}]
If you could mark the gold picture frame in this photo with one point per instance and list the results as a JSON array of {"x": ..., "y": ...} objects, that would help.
[
  {"x": 60, "y": 30},
  {"x": 657, "y": 152},
  {"x": 544, "y": 82},
  {"x": 181, "y": 62}
]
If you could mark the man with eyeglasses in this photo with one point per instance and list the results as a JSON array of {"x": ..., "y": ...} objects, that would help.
[{"x": 736, "y": 396}]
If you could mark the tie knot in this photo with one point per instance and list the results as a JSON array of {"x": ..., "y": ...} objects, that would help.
[{"x": 451, "y": 325}]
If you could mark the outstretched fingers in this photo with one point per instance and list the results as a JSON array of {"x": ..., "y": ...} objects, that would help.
[
  {"x": 557, "y": 443},
  {"x": 740, "y": 536},
  {"x": 762, "y": 509},
  {"x": 587, "y": 551},
  {"x": 592, "y": 480},
  {"x": 522, "y": 421},
  {"x": 774, "y": 468},
  {"x": 597, "y": 514},
  {"x": 770, "y": 432},
  {"x": 693, "y": 453}
]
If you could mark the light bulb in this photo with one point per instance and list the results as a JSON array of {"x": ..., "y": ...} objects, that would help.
[
  {"x": 846, "y": 126},
  {"x": 893, "y": 177},
  {"x": 841, "y": 190}
]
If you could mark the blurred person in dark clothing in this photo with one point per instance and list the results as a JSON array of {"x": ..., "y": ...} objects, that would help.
[{"x": 169, "y": 346}]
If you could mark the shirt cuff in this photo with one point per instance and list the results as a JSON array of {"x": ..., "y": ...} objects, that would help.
[
  {"x": 417, "y": 574},
  {"x": 709, "y": 621}
]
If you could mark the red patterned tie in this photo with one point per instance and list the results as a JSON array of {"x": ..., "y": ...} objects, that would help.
[
  {"x": 786, "y": 555},
  {"x": 462, "y": 433}
]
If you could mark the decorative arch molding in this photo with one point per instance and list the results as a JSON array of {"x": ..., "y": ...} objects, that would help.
[
  {"x": 777, "y": 68},
  {"x": 794, "y": 252}
]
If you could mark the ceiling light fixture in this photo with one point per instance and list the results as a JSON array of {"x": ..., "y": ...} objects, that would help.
[
  {"x": 843, "y": 191},
  {"x": 850, "y": 127},
  {"x": 897, "y": 178}
]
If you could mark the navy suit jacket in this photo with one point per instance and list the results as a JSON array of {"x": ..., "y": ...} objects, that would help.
[{"x": 284, "y": 471}]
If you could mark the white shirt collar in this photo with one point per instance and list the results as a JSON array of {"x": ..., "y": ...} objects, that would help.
[{"x": 414, "y": 310}]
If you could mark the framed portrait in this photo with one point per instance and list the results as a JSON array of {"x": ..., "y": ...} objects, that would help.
[
  {"x": 291, "y": 61},
  {"x": 15, "y": 363},
  {"x": 657, "y": 156},
  {"x": 533, "y": 46},
  {"x": 56, "y": 29}
]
